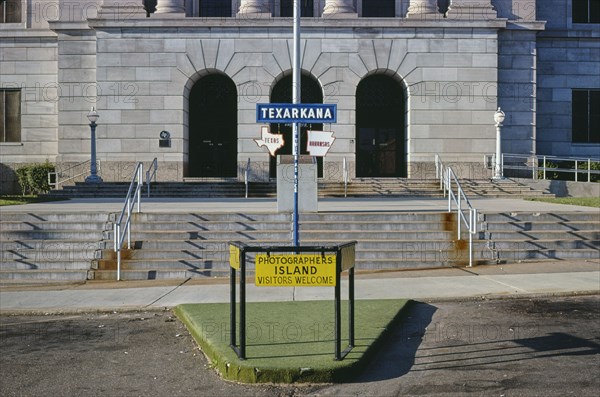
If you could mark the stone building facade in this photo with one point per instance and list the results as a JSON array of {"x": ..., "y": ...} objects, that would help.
[{"x": 410, "y": 78}]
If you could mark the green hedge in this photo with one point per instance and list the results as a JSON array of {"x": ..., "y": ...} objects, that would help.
[{"x": 33, "y": 178}]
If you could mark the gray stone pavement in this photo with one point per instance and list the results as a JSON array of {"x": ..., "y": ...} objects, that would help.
[
  {"x": 546, "y": 278},
  {"x": 270, "y": 204}
]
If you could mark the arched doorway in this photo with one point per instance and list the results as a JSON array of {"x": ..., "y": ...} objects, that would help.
[
  {"x": 310, "y": 92},
  {"x": 213, "y": 127},
  {"x": 380, "y": 132}
]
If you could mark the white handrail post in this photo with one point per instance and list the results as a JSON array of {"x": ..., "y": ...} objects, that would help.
[
  {"x": 449, "y": 189},
  {"x": 118, "y": 249},
  {"x": 471, "y": 238},
  {"x": 544, "y": 164},
  {"x": 128, "y": 220},
  {"x": 576, "y": 173},
  {"x": 247, "y": 177},
  {"x": 138, "y": 191},
  {"x": 589, "y": 170},
  {"x": 459, "y": 212},
  {"x": 345, "y": 176}
]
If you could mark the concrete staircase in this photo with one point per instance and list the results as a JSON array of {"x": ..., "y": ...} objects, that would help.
[
  {"x": 196, "y": 245},
  {"x": 514, "y": 237},
  {"x": 371, "y": 187},
  {"x": 208, "y": 189},
  {"x": 49, "y": 248},
  {"x": 74, "y": 247}
]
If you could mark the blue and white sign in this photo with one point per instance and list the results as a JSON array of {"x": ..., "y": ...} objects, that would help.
[{"x": 315, "y": 113}]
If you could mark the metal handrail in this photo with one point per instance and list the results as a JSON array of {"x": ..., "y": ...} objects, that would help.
[
  {"x": 151, "y": 173},
  {"x": 447, "y": 177},
  {"x": 133, "y": 196},
  {"x": 345, "y": 176},
  {"x": 247, "y": 176},
  {"x": 530, "y": 163},
  {"x": 54, "y": 182}
]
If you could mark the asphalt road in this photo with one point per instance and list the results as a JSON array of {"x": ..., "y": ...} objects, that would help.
[{"x": 513, "y": 347}]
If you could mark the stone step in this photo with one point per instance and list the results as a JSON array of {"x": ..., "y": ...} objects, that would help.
[
  {"x": 91, "y": 235},
  {"x": 45, "y": 264},
  {"x": 262, "y": 235},
  {"x": 8, "y": 226},
  {"x": 195, "y": 270},
  {"x": 39, "y": 218},
  {"x": 47, "y": 276},
  {"x": 50, "y": 245},
  {"x": 543, "y": 217},
  {"x": 543, "y": 225},
  {"x": 50, "y": 253},
  {"x": 519, "y": 245},
  {"x": 224, "y": 227},
  {"x": 540, "y": 235},
  {"x": 512, "y": 256}
]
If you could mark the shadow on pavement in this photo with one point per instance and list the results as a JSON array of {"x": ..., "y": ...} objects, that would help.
[{"x": 397, "y": 356}]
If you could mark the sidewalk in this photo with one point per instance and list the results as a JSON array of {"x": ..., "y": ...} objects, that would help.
[
  {"x": 253, "y": 205},
  {"x": 517, "y": 280}
]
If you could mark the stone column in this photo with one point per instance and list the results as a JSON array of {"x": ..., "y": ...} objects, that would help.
[
  {"x": 170, "y": 7},
  {"x": 472, "y": 9},
  {"x": 254, "y": 9},
  {"x": 339, "y": 9},
  {"x": 121, "y": 10},
  {"x": 420, "y": 8}
]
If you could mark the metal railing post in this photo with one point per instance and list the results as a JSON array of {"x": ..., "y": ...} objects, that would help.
[
  {"x": 576, "y": 172},
  {"x": 247, "y": 176},
  {"x": 139, "y": 187},
  {"x": 544, "y": 167},
  {"x": 345, "y": 176},
  {"x": 449, "y": 189},
  {"x": 118, "y": 249},
  {"x": 459, "y": 212}
]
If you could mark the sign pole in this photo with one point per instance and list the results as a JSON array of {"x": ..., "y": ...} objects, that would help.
[{"x": 296, "y": 100}]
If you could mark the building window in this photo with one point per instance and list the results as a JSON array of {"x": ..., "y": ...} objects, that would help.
[
  {"x": 10, "y": 11},
  {"x": 586, "y": 116},
  {"x": 215, "y": 8},
  {"x": 306, "y": 8},
  {"x": 379, "y": 8},
  {"x": 586, "y": 11},
  {"x": 10, "y": 116}
]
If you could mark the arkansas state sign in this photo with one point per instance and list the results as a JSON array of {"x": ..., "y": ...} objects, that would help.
[{"x": 319, "y": 142}]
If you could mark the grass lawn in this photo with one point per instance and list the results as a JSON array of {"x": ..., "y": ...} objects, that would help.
[
  {"x": 291, "y": 341},
  {"x": 17, "y": 200},
  {"x": 585, "y": 201}
]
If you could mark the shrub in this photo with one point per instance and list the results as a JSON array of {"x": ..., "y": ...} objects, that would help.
[{"x": 33, "y": 178}]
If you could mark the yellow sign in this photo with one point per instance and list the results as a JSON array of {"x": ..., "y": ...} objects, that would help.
[
  {"x": 234, "y": 257},
  {"x": 295, "y": 270}
]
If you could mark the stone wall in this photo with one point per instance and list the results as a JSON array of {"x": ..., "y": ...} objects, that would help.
[{"x": 568, "y": 58}]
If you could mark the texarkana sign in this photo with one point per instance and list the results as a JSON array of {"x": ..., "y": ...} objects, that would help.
[
  {"x": 296, "y": 113},
  {"x": 295, "y": 270}
]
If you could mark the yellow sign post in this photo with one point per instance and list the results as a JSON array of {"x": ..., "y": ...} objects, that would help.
[
  {"x": 292, "y": 266},
  {"x": 295, "y": 270}
]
